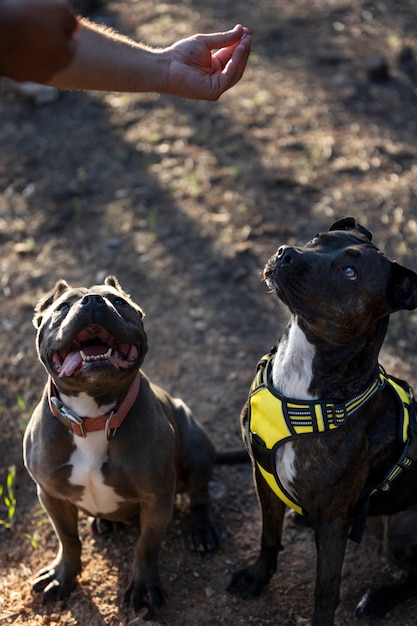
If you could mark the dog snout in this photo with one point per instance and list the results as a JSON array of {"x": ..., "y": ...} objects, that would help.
[
  {"x": 92, "y": 299},
  {"x": 285, "y": 254}
]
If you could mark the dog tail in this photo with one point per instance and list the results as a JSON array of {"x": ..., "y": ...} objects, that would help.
[{"x": 232, "y": 457}]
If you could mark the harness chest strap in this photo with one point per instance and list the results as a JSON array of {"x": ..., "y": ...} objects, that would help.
[
  {"x": 275, "y": 420},
  {"x": 109, "y": 422}
]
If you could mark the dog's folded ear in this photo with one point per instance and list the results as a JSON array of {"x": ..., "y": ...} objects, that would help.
[
  {"x": 402, "y": 290},
  {"x": 349, "y": 223},
  {"x": 112, "y": 281},
  {"x": 44, "y": 303}
]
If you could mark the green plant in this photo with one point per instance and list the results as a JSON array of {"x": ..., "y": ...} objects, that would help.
[
  {"x": 24, "y": 400},
  {"x": 34, "y": 538},
  {"x": 9, "y": 498},
  {"x": 21, "y": 403}
]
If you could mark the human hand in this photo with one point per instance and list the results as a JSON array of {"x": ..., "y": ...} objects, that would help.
[
  {"x": 36, "y": 38},
  {"x": 195, "y": 71}
]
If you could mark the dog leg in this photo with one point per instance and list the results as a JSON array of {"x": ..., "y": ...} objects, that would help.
[
  {"x": 145, "y": 589},
  {"x": 194, "y": 472},
  {"x": 331, "y": 538},
  {"x": 203, "y": 534},
  {"x": 251, "y": 580},
  {"x": 57, "y": 580}
]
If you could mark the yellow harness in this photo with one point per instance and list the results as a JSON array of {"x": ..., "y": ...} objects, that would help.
[{"x": 275, "y": 420}]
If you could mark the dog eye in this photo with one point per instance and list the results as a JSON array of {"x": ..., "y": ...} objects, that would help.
[
  {"x": 120, "y": 302},
  {"x": 64, "y": 306},
  {"x": 350, "y": 272}
]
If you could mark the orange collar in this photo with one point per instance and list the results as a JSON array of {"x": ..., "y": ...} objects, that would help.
[{"x": 109, "y": 422}]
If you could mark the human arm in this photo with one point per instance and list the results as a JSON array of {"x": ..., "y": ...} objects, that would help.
[{"x": 202, "y": 66}]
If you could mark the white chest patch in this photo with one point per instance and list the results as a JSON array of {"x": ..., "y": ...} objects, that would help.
[
  {"x": 292, "y": 368},
  {"x": 85, "y": 405},
  {"x": 291, "y": 376},
  {"x": 87, "y": 460}
]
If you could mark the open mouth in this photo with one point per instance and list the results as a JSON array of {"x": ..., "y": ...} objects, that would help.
[{"x": 93, "y": 346}]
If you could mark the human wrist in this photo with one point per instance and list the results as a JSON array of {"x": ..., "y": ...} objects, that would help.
[{"x": 154, "y": 74}]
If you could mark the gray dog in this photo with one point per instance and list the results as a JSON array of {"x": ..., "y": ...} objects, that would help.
[{"x": 106, "y": 441}]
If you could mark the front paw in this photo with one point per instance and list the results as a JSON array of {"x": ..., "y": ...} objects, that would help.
[
  {"x": 371, "y": 605},
  {"x": 55, "y": 582},
  {"x": 248, "y": 582},
  {"x": 383, "y": 600},
  {"x": 203, "y": 534},
  {"x": 143, "y": 595}
]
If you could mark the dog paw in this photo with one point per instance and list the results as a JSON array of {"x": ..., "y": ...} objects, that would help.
[
  {"x": 203, "y": 535},
  {"x": 247, "y": 582},
  {"x": 370, "y": 606},
  {"x": 53, "y": 584},
  {"x": 382, "y": 601},
  {"x": 150, "y": 597}
]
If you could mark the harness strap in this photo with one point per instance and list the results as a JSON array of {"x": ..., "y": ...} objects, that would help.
[
  {"x": 406, "y": 460},
  {"x": 275, "y": 420},
  {"x": 315, "y": 415}
]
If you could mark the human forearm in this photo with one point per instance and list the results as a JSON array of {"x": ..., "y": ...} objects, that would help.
[
  {"x": 107, "y": 61},
  {"x": 43, "y": 42}
]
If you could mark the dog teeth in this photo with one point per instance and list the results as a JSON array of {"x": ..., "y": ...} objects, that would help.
[{"x": 95, "y": 357}]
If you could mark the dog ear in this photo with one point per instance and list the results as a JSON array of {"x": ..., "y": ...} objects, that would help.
[
  {"x": 112, "y": 281},
  {"x": 45, "y": 302},
  {"x": 402, "y": 292},
  {"x": 349, "y": 223}
]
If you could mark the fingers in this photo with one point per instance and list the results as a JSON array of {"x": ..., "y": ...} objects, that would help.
[
  {"x": 216, "y": 41},
  {"x": 240, "y": 49},
  {"x": 233, "y": 61}
]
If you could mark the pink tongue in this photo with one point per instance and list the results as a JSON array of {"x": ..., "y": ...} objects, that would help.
[{"x": 73, "y": 360}]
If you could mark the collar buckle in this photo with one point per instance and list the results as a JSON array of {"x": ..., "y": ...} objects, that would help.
[
  {"x": 109, "y": 422},
  {"x": 74, "y": 422}
]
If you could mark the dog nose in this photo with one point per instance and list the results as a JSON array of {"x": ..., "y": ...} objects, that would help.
[
  {"x": 92, "y": 298},
  {"x": 285, "y": 254}
]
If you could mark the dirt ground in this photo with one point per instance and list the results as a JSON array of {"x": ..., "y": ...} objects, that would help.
[{"x": 184, "y": 201}]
